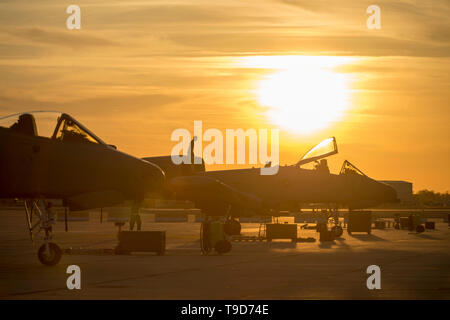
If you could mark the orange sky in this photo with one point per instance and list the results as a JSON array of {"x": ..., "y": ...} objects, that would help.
[{"x": 137, "y": 70}]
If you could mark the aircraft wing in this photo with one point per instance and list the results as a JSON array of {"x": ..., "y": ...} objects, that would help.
[{"x": 213, "y": 196}]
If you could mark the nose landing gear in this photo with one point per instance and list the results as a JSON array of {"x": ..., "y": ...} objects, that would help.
[
  {"x": 49, "y": 254},
  {"x": 338, "y": 231}
]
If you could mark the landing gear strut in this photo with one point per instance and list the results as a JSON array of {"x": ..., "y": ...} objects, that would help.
[
  {"x": 336, "y": 228},
  {"x": 204, "y": 235},
  {"x": 232, "y": 227},
  {"x": 49, "y": 253},
  {"x": 213, "y": 236}
]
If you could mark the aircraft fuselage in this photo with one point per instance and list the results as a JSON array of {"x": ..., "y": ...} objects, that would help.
[{"x": 34, "y": 166}]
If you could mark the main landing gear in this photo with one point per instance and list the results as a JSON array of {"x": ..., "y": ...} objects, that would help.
[
  {"x": 333, "y": 218},
  {"x": 232, "y": 227},
  {"x": 214, "y": 236},
  {"x": 49, "y": 253}
]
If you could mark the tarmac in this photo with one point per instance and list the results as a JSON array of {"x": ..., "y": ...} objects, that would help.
[{"x": 413, "y": 266}]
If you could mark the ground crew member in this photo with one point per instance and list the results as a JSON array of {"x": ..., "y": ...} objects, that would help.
[{"x": 135, "y": 218}]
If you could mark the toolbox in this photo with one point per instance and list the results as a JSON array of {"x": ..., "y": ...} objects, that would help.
[
  {"x": 141, "y": 241},
  {"x": 281, "y": 231}
]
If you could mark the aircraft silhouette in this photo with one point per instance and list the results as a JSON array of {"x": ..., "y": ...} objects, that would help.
[
  {"x": 64, "y": 160},
  {"x": 245, "y": 192}
]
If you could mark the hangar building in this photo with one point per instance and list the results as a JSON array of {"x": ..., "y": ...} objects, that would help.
[{"x": 404, "y": 190}]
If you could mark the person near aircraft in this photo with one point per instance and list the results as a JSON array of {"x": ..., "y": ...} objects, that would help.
[
  {"x": 135, "y": 218},
  {"x": 25, "y": 125},
  {"x": 322, "y": 166}
]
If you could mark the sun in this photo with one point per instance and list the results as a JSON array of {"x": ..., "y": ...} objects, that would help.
[{"x": 304, "y": 94}]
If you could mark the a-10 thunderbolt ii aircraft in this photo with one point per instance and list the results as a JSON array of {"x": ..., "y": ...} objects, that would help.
[
  {"x": 245, "y": 192},
  {"x": 50, "y": 155}
]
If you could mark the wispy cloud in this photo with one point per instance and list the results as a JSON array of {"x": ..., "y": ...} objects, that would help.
[{"x": 40, "y": 36}]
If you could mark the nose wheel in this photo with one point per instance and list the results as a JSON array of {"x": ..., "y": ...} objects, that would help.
[
  {"x": 49, "y": 254},
  {"x": 338, "y": 231},
  {"x": 333, "y": 218}
]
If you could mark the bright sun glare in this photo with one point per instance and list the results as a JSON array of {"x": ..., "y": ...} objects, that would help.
[{"x": 304, "y": 94}]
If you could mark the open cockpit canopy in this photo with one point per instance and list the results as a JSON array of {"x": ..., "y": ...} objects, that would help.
[
  {"x": 324, "y": 149},
  {"x": 49, "y": 124}
]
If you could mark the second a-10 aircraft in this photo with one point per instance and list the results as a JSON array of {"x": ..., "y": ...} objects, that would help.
[
  {"x": 245, "y": 192},
  {"x": 67, "y": 161}
]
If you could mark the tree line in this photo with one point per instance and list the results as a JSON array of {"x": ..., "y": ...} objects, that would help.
[{"x": 430, "y": 198}]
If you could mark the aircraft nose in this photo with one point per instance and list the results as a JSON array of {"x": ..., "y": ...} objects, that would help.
[{"x": 153, "y": 175}]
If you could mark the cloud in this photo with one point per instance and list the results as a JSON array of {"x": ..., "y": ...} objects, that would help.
[
  {"x": 71, "y": 39},
  {"x": 425, "y": 23},
  {"x": 182, "y": 14},
  {"x": 106, "y": 106},
  {"x": 356, "y": 45}
]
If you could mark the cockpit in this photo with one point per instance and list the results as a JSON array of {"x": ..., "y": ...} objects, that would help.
[
  {"x": 324, "y": 149},
  {"x": 348, "y": 168},
  {"x": 68, "y": 130},
  {"x": 49, "y": 124},
  {"x": 320, "y": 152}
]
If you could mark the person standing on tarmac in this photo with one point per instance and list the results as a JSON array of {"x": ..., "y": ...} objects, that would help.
[{"x": 135, "y": 218}]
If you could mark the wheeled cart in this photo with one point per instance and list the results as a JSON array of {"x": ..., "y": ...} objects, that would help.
[
  {"x": 141, "y": 241},
  {"x": 359, "y": 221},
  {"x": 281, "y": 231}
]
